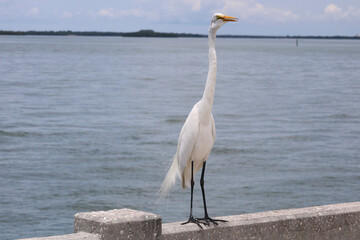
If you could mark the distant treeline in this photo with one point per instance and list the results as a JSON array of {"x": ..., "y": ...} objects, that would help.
[
  {"x": 141, "y": 33},
  {"x": 151, "y": 33}
]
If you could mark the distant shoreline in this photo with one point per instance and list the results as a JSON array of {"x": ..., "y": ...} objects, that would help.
[{"x": 151, "y": 33}]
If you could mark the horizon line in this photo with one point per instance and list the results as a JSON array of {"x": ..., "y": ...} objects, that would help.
[{"x": 152, "y": 33}]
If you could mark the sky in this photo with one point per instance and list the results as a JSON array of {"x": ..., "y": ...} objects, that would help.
[{"x": 256, "y": 17}]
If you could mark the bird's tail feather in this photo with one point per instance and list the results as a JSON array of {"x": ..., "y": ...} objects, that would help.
[{"x": 170, "y": 178}]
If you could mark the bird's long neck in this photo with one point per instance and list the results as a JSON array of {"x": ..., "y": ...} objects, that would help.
[{"x": 209, "y": 91}]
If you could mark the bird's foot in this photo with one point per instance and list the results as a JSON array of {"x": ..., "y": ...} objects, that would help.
[
  {"x": 192, "y": 220},
  {"x": 207, "y": 220}
]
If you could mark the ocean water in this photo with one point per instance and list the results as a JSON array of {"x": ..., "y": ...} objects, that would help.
[{"x": 91, "y": 123}]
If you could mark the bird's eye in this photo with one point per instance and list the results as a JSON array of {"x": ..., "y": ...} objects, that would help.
[{"x": 217, "y": 17}]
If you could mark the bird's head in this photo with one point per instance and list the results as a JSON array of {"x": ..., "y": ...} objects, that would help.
[{"x": 220, "y": 19}]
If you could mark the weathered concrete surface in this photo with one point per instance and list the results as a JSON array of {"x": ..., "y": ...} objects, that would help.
[
  {"x": 119, "y": 224},
  {"x": 74, "y": 236},
  {"x": 338, "y": 221}
]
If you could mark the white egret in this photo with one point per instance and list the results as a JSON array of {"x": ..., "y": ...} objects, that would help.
[{"x": 197, "y": 136}]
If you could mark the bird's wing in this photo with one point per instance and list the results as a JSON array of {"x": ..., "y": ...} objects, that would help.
[
  {"x": 188, "y": 137},
  {"x": 213, "y": 128}
]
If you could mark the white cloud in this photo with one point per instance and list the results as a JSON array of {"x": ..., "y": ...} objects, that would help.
[
  {"x": 67, "y": 14},
  {"x": 332, "y": 9},
  {"x": 336, "y": 12},
  {"x": 114, "y": 13},
  {"x": 194, "y": 4},
  {"x": 33, "y": 11},
  {"x": 107, "y": 13},
  {"x": 254, "y": 11}
]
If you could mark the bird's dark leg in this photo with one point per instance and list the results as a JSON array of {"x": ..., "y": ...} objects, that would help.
[
  {"x": 191, "y": 218},
  {"x": 206, "y": 218}
]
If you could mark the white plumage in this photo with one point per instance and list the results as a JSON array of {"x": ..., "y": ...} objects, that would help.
[{"x": 195, "y": 142}]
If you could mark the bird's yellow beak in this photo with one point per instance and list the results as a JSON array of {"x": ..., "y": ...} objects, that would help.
[{"x": 228, "y": 18}]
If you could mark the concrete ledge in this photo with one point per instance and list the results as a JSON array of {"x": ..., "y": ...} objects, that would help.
[
  {"x": 119, "y": 224},
  {"x": 74, "y": 236},
  {"x": 337, "y": 221}
]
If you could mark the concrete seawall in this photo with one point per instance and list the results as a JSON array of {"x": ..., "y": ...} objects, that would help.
[{"x": 337, "y": 221}]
